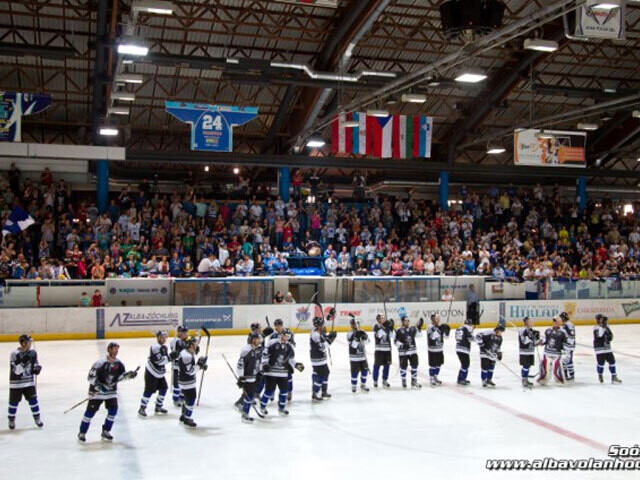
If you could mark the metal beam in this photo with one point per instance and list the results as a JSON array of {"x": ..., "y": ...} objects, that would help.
[
  {"x": 22, "y": 49},
  {"x": 98, "y": 108}
]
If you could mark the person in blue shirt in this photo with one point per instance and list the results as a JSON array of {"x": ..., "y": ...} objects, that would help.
[
  {"x": 175, "y": 265},
  {"x": 498, "y": 272},
  {"x": 469, "y": 265}
]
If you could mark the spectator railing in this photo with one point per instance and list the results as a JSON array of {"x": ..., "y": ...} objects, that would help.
[{"x": 223, "y": 291}]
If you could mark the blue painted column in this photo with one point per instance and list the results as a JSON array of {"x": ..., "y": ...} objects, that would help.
[
  {"x": 443, "y": 190},
  {"x": 284, "y": 182},
  {"x": 103, "y": 185},
  {"x": 582, "y": 194}
]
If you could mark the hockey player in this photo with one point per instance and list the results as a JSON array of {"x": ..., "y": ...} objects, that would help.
[
  {"x": 248, "y": 371},
  {"x": 103, "y": 387},
  {"x": 528, "y": 339},
  {"x": 357, "y": 339},
  {"x": 319, "y": 341},
  {"x": 383, "y": 333},
  {"x": 554, "y": 340},
  {"x": 407, "y": 350},
  {"x": 277, "y": 360},
  {"x": 602, "y": 337},
  {"x": 187, "y": 378},
  {"x": 23, "y": 367},
  {"x": 464, "y": 337},
  {"x": 489, "y": 344},
  {"x": 154, "y": 376},
  {"x": 435, "y": 341},
  {"x": 177, "y": 345},
  {"x": 278, "y": 327},
  {"x": 569, "y": 346},
  {"x": 257, "y": 328}
]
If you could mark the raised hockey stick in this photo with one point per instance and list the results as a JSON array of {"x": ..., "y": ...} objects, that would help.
[
  {"x": 236, "y": 377},
  {"x": 317, "y": 304},
  {"x": 335, "y": 302},
  {"x": 384, "y": 301},
  {"x": 306, "y": 311},
  {"x": 204, "y": 329}
]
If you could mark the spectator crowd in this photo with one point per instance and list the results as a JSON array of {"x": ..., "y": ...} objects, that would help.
[{"x": 509, "y": 233}]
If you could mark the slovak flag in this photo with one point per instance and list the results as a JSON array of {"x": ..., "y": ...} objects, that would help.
[{"x": 18, "y": 221}]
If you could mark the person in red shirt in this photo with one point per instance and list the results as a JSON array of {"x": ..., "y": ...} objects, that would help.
[{"x": 96, "y": 300}]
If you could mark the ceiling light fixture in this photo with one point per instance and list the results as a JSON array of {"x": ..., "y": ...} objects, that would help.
[
  {"x": 118, "y": 111},
  {"x": 206, "y": 168},
  {"x": 588, "y": 126},
  {"x": 132, "y": 49},
  {"x": 470, "y": 76},
  {"x": 158, "y": 7},
  {"x": 236, "y": 170},
  {"x": 315, "y": 142},
  {"x": 350, "y": 124},
  {"x": 128, "y": 78},
  {"x": 414, "y": 98},
  {"x": 545, "y": 135},
  {"x": 108, "y": 131},
  {"x": 635, "y": 114},
  {"x": 606, "y": 5},
  {"x": 496, "y": 150},
  {"x": 378, "y": 113},
  {"x": 540, "y": 45},
  {"x": 123, "y": 96}
]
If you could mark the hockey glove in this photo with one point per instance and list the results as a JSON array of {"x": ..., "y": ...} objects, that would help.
[
  {"x": 101, "y": 388},
  {"x": 387, "y": 324},
  {"x": 420, "y": 324},
  {"x": 392, "y": 324},
  {"x": 202, "y": 363},
  {"x": 129, "y": 375},
  {"x": 266, "y": 368},
  {"x": 331, "y": 337},
  {"x": 240, "y": 382},
  {"x": 267, "y": 331},
  {"x": 361, "y": 335},
  {"x": 445, "y": 329},
  {"x": 174, "y": 355},
  {"x": 299, "y": 367},
  {"x": 499, "y": 356},
  {"x": 37, "y": 369},
  {"x": 197, "y": 349},
  {"x": 536, "y": 336}
]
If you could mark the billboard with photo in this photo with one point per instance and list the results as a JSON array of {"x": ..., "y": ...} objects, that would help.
[{"x": 563, "y": 149}]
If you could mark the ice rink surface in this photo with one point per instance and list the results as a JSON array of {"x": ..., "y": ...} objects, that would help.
[{"x": 444, "y": 432}]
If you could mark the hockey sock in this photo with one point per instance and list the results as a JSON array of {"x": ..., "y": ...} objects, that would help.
[
  {"x": 612, "y": 369},
  {"x": 13, "y": 408},
  {"x": 248, "y": 400},
  {"x": 265, "y": 398},
  {"x": 160, "y": 397},
  {"x": 176, "y": 394},
  {"x": 525, "y": 372},
  {"x": 385, "y": 372},
  {"x": 462, "y": 374},
  {"x": 363, "y": 376},
  {"x": 414, "y": 373},
  {"x": 483, "y": 374},
  {"x": 600, "y": 369},
  {"x": 290, "y": 383},
  {"x": 86, "y": 421},
  {"x": 437, "y": 371},
  {"x": 432, "y": 371},
  {"x": 490, "y": 372},
  {"x": 35, "y": 408},
  {"x": 317, "y": 383},
  {"x": 325, "y": 384},
  {"x": 376, "y": 372},
  {"x": 144, "y": 401},
  {"x": 403, "y": 373},
  {"x": 282, "y": 400},
  {"x": 111, "y": 416},
  {"x": 354, "y": 379}
]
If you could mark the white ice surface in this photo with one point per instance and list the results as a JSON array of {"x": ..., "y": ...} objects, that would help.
[{"x": 446, "y": 432}]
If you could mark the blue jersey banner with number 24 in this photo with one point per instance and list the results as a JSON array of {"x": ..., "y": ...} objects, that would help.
[{"x": 211, "y": 125}]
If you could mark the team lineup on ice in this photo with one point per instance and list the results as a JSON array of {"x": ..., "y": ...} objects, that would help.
[{"x": 269, "y": 361}]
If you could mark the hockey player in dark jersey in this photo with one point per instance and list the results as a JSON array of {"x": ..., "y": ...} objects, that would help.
[
  {"x": 407, "y": 349},
  {"x": 154, "y": 376},
  {"x": 569, "y": 346},
  {"x": 464, "y": 337},
  {"x": 103, "y": 387},
  {"x": 602, "y": 337},
  {"x": 554, "y": 340},
  {"x": 263, "y": 332},
  {"x": 278, "y": 360},
  {"x": 278, "y": 327},
  {"x": 23, "y": 368},
  {"x": 435, "y": 342},
  {"x": 383, "y": 334},
  {"x": 177, "y": 345},
  {"x": 248, "y": 371},
  {"x": 489, "y": 344},
  {"x": 319, "y": 341},
  {"x": 528, "y": 339},
  {"x": 187, "y": 364},
  {"x": 357, "y": 339}
]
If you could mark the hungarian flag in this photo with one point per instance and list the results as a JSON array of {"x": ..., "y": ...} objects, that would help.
[{"x": 412, "y": 136}]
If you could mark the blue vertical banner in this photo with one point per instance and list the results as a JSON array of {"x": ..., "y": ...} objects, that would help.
[
  {"x": 211, "y": 125},
  {"x": 14, "y": 106},
  {"x": 443, "y": 191}
]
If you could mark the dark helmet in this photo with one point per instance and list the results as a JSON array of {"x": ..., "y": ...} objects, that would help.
[
  {"x": 353, "y": 322},
  {"x": 112, "y": 344},
  {"x": 255, "y": 326},
  {"x": 285, "y": 334},
  {"x": 318, "y": 322},
  {"x": 190, "y": 340},
  {"x": 564, "y": 316},
  {"x": 278, "y": 322},
  {"x": 379, "y": 316},
  {"x": 182, "y": 329},
  {"x": 160, "y": 333},
  {"x": 253, "y": 335},
  {"x": 25, "y": 338},
  {"x": 499, "y": 328}
]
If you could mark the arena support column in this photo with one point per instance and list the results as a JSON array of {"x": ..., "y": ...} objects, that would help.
[
  {"x": 102, "y": 174},
  {"x": 582, "y": 194},
  {"x": 443, "y": 191},
  {"x": 283, "y": 183}
]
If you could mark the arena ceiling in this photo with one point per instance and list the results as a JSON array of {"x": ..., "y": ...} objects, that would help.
[{"x": 223, "y": 52}]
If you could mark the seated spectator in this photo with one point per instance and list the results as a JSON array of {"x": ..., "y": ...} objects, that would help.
[
  {"x": 96, "y": 299},
  {"x": 85, "y": 301},
  {"x": 288, "y": 298},
  {"x": 278, "y": 298},
  {"x": 331, "y": 264}
]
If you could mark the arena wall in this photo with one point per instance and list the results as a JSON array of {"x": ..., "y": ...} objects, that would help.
[{"x": 123, "y": 322}]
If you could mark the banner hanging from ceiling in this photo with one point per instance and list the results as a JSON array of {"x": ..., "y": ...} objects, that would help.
[
  {"x": 14, "y": 106},
  {"x": 313, "y": 3},
  {"x": 211, "y": 125},
  {"x": 563, "y": 149},
  {"x": 594, "y": 21}
]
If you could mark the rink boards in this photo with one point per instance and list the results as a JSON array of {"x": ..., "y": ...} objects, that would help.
[{"x": 123, "y": 322}]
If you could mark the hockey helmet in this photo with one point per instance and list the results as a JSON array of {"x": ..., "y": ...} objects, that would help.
[
  {"x": 25, "y": 338},
  {"x": 285, "y": 334},
  {"x": 499, "y": 328},
  {"x": 182, "y": 329},
  {"x": 161, "y": 333},
  {"x": 112, "y": 345},
  {"x": 318, "y": 322},
  {"x": 564, "y": 316},
  {"x": 255, "y": 326},
  {"x": 379, "y": 317},
  {"x": 278, "y": 322},
  {"x": 253, "y": 336},
  {"x": 190, "y": 340}
]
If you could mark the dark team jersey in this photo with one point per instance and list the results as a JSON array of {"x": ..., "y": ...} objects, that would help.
[
  {"x": 382, "y": 336},
  {"x": 249, "y": 363},
  {"x": 406, "y": 340},
  {"x": 318, "y": 343},
  {"x": 489, "y": 344},
  {"x": 602, "y": 337},
  {"x": 177, "y": 345},
  {"x": 434, "y": 339},
  {"x": 158, "y": 358},
  {"x": 187, "y": 370},
  {"x": 570, "y": 331},
  {"x": 527, "y": 339},
  {"x": 104, "y": 377},
  {"x": 21, "y": 368},
  {"x": 553, "y": 341},
  {"x": 357, "y": 352},
  {"x": 281, "y": 359},
  {"x": 464, "y": 337}
]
